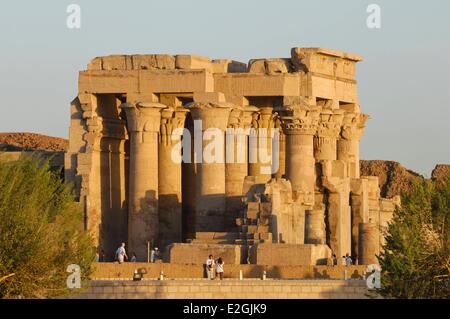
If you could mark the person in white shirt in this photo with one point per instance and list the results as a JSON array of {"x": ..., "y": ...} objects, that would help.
[
  {"x": 121, "y": 254},
  {"x": 219, "y": 268},
  {"x": 348, "y": 260},
  {"x": 133, "y": 258},
  {"x": 154, "y": 255},
  {"x": 210, "y": 267}
]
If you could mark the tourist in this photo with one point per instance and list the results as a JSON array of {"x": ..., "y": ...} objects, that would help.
[
  {"x": 102, "y": 258},
  {"x": 348, "y": 260},
  {"x": 219, "y": 267},
  {"x": 133, "y": 258},
  {"x": 154, "y": 255},
  {"x": 121, "y": 254},
  {"x": 334, "y": 260},
  {"x": 210, "y": 267}
]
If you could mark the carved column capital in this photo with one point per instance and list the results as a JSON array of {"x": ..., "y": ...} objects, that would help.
[
  {"x": 143, "y": 117},
  {"x": 247, "y": 116},
  {"x": 235, "y": 120},
  {"x": 330, "y": 123},
  {"x": 171, "y": 119},
  {"x": 212, "y": 114},
  {"x": 353, "y": 126},
  {"x": 301, "y": 120},
  {"x": 264, "y": 118}
]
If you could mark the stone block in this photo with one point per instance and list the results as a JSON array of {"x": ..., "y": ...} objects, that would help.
[
  {"x": 277, "y": 66},
  {"x": 228, "y": 66},
  {"x": 198, "y": 253},
  {"x": 153, "y": 61},
  {"x": 209, "y": 97},
  {"x": 269, "y": 66},
  {"x": 387, "y": 205},
  {"x": 116, "y": 62},
  {"x": 192, "y": 62},
  {"x": 339, "y": 169},
  {"x": 289, "y": 254},
  {"x": 95, "y": 64}
]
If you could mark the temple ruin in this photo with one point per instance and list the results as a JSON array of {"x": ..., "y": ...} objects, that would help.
[{"x": 297, "y": 205}]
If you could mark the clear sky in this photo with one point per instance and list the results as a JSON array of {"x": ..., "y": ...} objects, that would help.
[{"x": 404, "y": 80}]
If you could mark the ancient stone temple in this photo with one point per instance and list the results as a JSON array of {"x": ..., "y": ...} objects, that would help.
[{"x": 288, "y": 193}]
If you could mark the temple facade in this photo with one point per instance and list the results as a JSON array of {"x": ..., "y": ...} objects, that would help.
[{"x": 257, "y": 163}]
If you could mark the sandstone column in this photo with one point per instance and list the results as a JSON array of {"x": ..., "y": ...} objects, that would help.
[
  {"x": 339, "y": 215},
  {"x": 210, "y": 178},
  {"x": 169, "y": 175},
  {"x": 315, "y": 226},
  {"x": 348, "y": 144},
  {"x": 335, "y": 181},
  {"x": 236, "y": 166},
  {"x": 260, "y": 148},
  {"x": 360, "y": 209},
  {"x": 369, "y": 245},
  {"x": 300, "y": 163},
  {"x": 281, "y": 151},
  {"x": 327, "y": 134},
  {"x": 143, "y": 121}
]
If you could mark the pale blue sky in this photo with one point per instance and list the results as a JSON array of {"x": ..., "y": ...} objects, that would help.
[{"x": 404, "y": 81}]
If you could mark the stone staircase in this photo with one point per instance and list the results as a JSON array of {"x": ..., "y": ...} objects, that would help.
[
  {"x": 254, "y": 227},
  {"x": 214, "y": 238}
]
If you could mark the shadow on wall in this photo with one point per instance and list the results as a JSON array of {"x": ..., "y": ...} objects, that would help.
[
  {"x": 114, "y": 209},
  {"x": 170, "y": 221}
]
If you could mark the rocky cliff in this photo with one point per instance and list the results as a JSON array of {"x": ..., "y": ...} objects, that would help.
[
  {"x": 393, "y": 177},
  {"x": 440, "y": 171},
  {"x": 32, "y": 142}
]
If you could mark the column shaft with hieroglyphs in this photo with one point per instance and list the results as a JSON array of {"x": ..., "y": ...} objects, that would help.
[
  {"x": 299, "y": 129},
  {"x": 143, "y": 122},
  {"x": 260, "y": 144},
  {"x": 210, "y": 178},
  {"x": 169, "y": 175}
]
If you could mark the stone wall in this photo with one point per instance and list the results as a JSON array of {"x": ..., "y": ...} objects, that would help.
[
  {"x": 227, "y": 289},
  {"x": 131, "y": 190},
  {"x": 289, "y": 254},
  {"x": 179, "y": 271}
]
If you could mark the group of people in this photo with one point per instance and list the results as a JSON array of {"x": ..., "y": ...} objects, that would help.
[
  {"x": 121, "y": 255},
  {"x": 346, "y": 260},
  {"x": 214, "y": 267}
]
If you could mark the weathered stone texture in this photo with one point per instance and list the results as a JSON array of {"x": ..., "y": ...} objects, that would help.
[
  {"x": 228, "y": 289},
  {"x": 298, "y": 191}
]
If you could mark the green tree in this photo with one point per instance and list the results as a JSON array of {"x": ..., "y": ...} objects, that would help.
[
  {"x": 41, "y": 231},
  {"x": 415, "y": 262}
]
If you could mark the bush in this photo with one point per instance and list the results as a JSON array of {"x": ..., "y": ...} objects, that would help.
[
  {"x": 41, "y": 231},
  {"x": 416, "y": 259}
]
